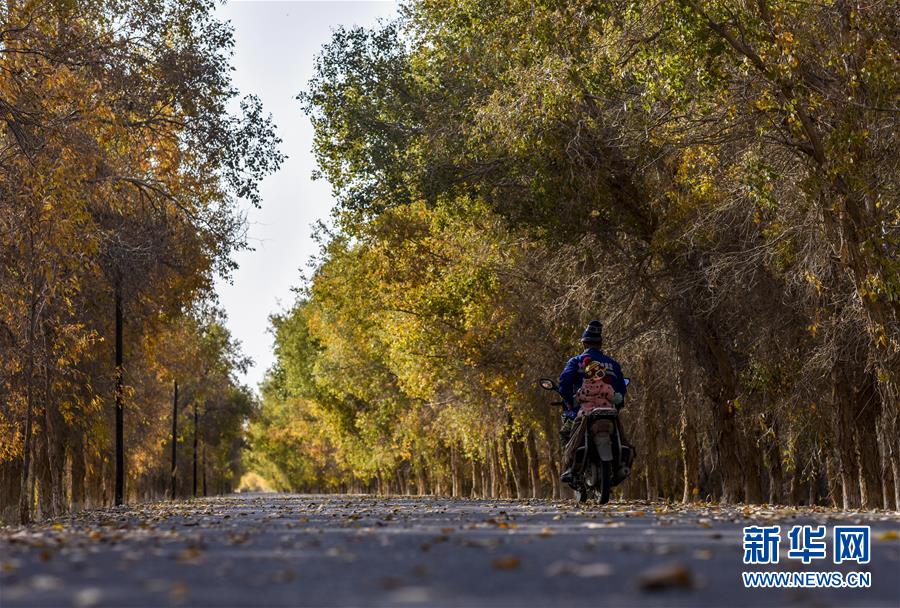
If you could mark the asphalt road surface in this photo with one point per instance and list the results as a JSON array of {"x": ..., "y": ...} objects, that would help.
[{"x": 302, "y": 550}]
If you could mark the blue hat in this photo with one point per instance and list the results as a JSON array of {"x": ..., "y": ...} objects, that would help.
[{"x": 593, "y": 332}]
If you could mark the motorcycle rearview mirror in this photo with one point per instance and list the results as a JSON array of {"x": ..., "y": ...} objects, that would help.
[
  {"x": 547, "y": 384},
  {"x": 627, "y": 381}
]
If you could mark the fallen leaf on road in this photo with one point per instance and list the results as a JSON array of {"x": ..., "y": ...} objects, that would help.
[
  {"x": 666, "y": 576},
  {"x": 390, "y": 583},
  {"x": 86, "y": 598},
  {"x": 45, "y": 582},
  {"x": 510, "y": 562},
  {"x": 178, "y": 592},
  {"x": 283, "y": 576},
  {"x": 410, "y": 595},
  {"x": 191, "y": 555},
  {"x": 580, "y": 570},
  {"x": 481, "y": 543},
  {"x": 156, "y": 585}
]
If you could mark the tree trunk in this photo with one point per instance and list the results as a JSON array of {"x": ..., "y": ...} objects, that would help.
[
  {"x": 890, "y": 438},
  {"x": 55, "y": 465},
  {"x": 174, "y": 471},
  {"x": 813, "y": 489},
  {"x": 438, "y": 482},
  {"x": 895, "y": 468},
  {"x": 890, "y": 448},
  {"x": 533, "y": 465},
  {"x": 795, "y": 472},
  {"x": 516, "y": 461},
  {"x": 454, "y": 471},
  {"x": 688, "y": 455},
  {"x": 869, "y": 492},
  {"x": 868, "y": 410},
  {"x": 420, "y": 478},
  {"x": 833, "y": 481},
  {"x": 753, "y": 493},
  {"x": 843, "y": 432},
  {"x": 203, "y": 468},
  {"x": 194, "y": 491},
  {"x": 78, "y": 474},
  {"x": 551, "y": 442},
  {"x": 495, "y": 473},
  {"x": 728, "y": 456},
  {"x": 776, "y": 477},
  {"x": 120, "y": 425},
  {"x": 502, "y": 469},
  {"x": 887, "y": 487},
  {"x": 56, "y": 442},
  {"x": 651, "y": 472},
  {"x": 41, "y": 478},
  {"x": 26, "y": 495}
]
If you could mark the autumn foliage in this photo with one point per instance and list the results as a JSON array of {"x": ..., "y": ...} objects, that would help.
[
  {"x": 716, "y": 181},
  {"x": 121, "y": 163}
]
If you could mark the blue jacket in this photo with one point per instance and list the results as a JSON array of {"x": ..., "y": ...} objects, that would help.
[{"x": 573, "y": 375}]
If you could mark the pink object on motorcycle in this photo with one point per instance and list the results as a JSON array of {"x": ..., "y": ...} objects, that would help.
[{"x": 595, "y": 393}]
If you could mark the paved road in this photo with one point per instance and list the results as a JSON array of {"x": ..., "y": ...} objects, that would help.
[{"x": 298, "y": 550}]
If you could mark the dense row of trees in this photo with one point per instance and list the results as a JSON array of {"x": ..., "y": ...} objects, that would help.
[
  {"x": 716, "y": 180},
  {"x": 121, "y": 162}
]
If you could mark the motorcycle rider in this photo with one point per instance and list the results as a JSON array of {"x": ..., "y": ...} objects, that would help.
[{"x": 570, "y": 380}]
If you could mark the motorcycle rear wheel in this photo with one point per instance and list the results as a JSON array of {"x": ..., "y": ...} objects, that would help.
[
  {"x": 605, "y": 481},
  {"x": 587, "y": 487}
]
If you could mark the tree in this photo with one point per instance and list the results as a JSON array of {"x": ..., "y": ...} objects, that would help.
[
  {"x": 712, "y": 177},
  {"x": 122, "y": 173}
]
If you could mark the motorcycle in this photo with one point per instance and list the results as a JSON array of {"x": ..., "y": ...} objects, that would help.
[{"x": 605, "y": 459}]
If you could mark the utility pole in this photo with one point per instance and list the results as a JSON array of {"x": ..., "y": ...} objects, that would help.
[
  {"x": 174, "y": 437},
  {"x": 120, "y": 406},
  {"x": 195, "y": 450}
]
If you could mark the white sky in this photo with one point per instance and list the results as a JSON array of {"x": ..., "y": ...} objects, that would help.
[{"x": 276, "y": 42}]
